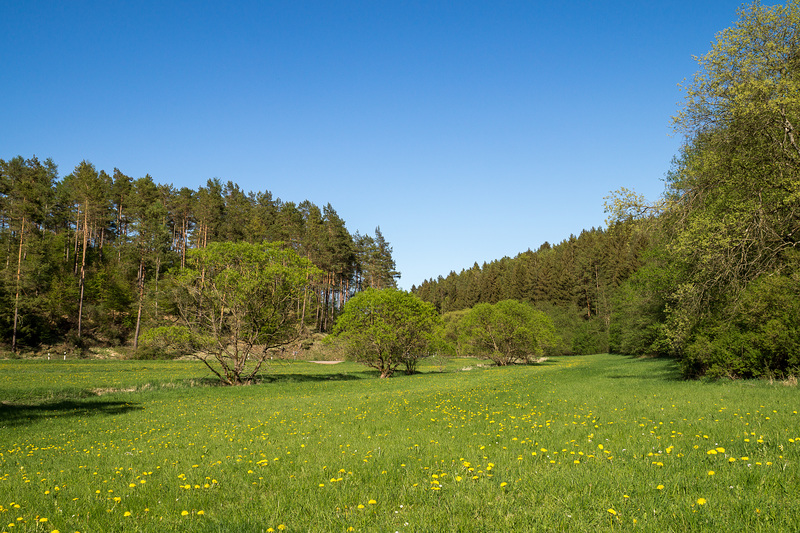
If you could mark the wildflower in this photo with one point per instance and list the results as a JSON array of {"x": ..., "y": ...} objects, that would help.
[
  {"x": 127, "y": 513},
  {"x": 710, "y": 472},
  {"x": 701, "y": 501},
  {"x": 612, "y": 511},
  {"x": 201, "y": 512},
  {"x": 184, "y": 513},
  {"x": 372, "y": 502},
  {"x": 281, "y": 527},
  {"x": 660, "y": 487}
]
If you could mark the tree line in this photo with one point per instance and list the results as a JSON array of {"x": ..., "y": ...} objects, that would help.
[
  {"x": 574, "y": 282},
  {"x": 85, "y": 255}
]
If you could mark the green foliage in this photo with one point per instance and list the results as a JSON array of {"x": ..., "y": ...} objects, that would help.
[
  {"x": 171, "y": 341},
  {"x": 237, "y": 300},
  {"x": 734, "y": 200},
  {"x": 508, "y": 332},
  {"x": 387, "y": 328},
  {"x": 763, "y": 339}
]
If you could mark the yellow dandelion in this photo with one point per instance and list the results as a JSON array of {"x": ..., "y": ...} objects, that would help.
[
  {"x": 281, "y": 527},
  {"x": 184, "y": 513},
  {"x": 503, "y": 484},
  {"x": 660, "y": 487},
  {"x": 372, "y": 502},
  {"x": 612, "y": 511},
  {"x": 43, "y": 519},
  {"x": 126, "y": 513},
  {"x": 201, "y": 512},
  {"x": 360, "y": 506},
  {"x": 701, "y": 501},
  {"x": 710, "y": 472}
]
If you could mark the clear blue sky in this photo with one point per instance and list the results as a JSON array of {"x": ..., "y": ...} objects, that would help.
[{"x": 466, "y": 130}]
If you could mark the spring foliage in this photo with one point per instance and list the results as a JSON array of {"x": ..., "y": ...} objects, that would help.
[{"x": 386, "y": 329}]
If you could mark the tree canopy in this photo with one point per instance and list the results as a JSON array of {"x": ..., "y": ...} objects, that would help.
[
  {"x": 508, "y": 332},
  {"x": 236, "y": 301},
  {"x": 387, "y": 328}
]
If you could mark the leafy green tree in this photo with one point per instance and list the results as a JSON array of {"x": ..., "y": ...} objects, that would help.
[
  {"x": 509, "y": 331},
  {"x": 388, "y": 328},
  {"x": 734, "y": 194},
  {"x": 238, "y": 300}
]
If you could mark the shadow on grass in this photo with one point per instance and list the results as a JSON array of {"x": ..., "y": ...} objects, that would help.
[
  {"x": 658, "y": 368},
  {"x": 21, "y": 414},
  {"x": 306, "y": 378}
]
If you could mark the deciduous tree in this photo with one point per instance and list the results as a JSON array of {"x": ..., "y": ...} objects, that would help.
[
  {"x": 388, "y": 328},
  {"x": 238, "y": 300}
]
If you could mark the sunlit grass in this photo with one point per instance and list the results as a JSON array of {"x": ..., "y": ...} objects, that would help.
[{"x": 581, "y": 443}]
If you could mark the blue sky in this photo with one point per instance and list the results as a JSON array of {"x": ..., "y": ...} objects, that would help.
[{"x": 466, "y": 130}]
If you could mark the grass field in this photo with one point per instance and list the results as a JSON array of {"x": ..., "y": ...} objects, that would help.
[{"x": 574, "y": 444}]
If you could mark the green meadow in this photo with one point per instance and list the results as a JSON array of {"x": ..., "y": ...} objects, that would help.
[{"x": 572, "y": 444}]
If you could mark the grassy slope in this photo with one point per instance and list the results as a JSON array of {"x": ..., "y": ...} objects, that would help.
[{"x": 575, "y": 444}]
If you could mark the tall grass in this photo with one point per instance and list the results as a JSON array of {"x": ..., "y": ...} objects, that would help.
[{"x": 573, "y": 444}]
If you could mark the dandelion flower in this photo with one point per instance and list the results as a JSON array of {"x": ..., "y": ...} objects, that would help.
[
  {"x": 372, "y": 502},
  {"x": 701, "y": 501},
  {"x": 281, "y": 527},
  {"x": 660, "y": 487},
  {"x": 127, "y": 513},
  {"x": 201, "y": 512},
  {"x": 612, "y": 511},
  {"x": 710, "y": 472},
  {"x": 184, "y": 513}
]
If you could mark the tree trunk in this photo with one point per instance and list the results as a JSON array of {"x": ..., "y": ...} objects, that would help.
[
  {"x": 141, "y": 299},
  {"x": 19, "y": 277},
  {"x": 83, "y": 266}
]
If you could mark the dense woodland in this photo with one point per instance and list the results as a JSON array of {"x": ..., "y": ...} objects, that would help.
[
  {"x": 84, "y": 254},
  {"x": 575, "y": 282}
]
